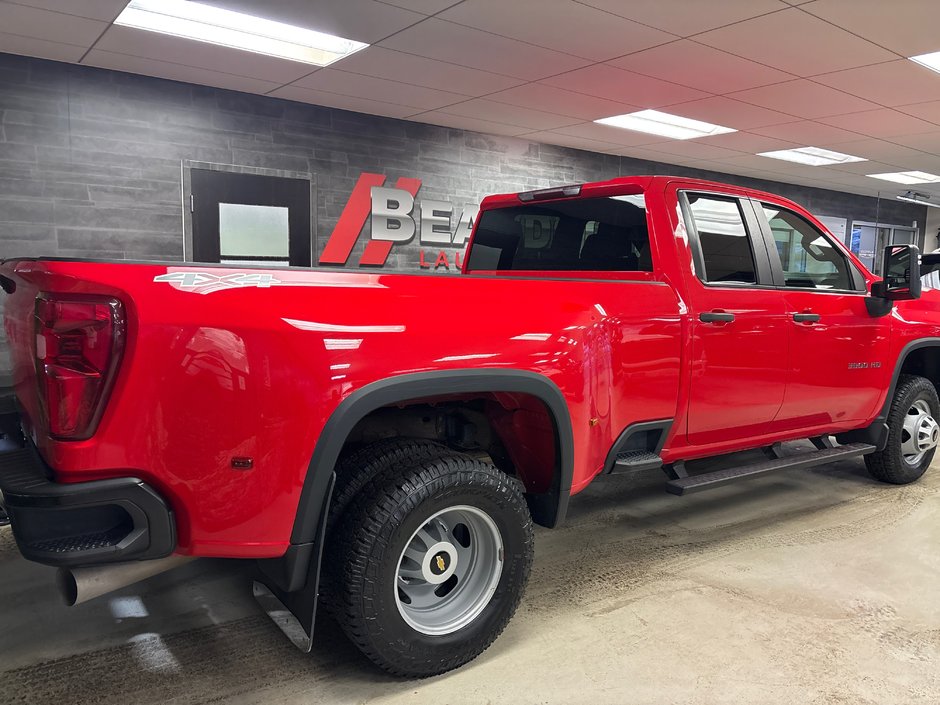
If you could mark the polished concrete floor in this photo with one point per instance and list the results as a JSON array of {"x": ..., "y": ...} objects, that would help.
[{"x": 808, "y": 587}]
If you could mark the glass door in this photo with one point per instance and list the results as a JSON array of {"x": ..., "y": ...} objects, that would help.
[{"x": 868, "y": 241}]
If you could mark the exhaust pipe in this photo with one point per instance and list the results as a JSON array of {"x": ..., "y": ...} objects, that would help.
[{"x": 83, "y": 584}]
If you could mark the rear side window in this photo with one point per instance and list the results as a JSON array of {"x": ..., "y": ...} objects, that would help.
[
  {"x": 588, "y": 235},
  {"x": 723, "y": 238}
]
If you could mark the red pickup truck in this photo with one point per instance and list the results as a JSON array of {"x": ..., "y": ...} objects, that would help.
[{"x": 385, "y": 441}]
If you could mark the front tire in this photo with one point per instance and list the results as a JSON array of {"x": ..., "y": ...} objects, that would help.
[
  {"x": 436, "y": 560},
  {"x": 913, "y": 433}
]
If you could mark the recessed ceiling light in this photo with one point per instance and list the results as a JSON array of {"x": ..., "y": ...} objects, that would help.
[
  {"x": 664, "y": 124},
  {"x": 813, "y": 156},
  {"x": 204, "y": 23},
  {"x": 931, "y": 61},
  {"x": 908, "y": 177}
]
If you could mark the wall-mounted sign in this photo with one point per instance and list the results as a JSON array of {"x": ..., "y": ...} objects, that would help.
[{"x": 397, "y": 219}]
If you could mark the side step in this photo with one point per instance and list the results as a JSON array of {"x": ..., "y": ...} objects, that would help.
[
  {"x": 630, "y": 460},
  {"x": 706, "y": 481}
]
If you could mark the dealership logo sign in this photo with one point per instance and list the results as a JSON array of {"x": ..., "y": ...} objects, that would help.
[{"x": 396, "y": 218}]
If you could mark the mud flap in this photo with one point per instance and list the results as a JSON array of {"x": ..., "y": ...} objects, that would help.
[{"x": 295, "y": 611}]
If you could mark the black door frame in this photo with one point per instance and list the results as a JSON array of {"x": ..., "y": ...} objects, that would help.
[{"x": 186, "y": 168}]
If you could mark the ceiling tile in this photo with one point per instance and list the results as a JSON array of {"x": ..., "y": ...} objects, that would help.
[
  {"x": 176, "y": 72},
  {"x": 538, "y": 96},
  {"x": 685, "y": 18},
  {"x": 483, "y": 109},
  {"x": 691, "y": 64},
  {"x": 425, "y": 7},
  {"x": 693, "y": 149},
  {"x": 908, "y": 27},
  {"x": 363, "y": 20},
  {"x": 929, "y": 111},
  {"x": 436, "y": 117},
  {"x": 882, "y": 122},
  {"x": 605, "y": 81},
  {"x": 599, "y": 34},
  {"x": 889, "y": 152},
  {"x": 104, "y": 10},
  {"x": 550, "y": 137},
  {"x": 747, "y": 142},
  {"x": 49, "y": 26},
  {"x": 808, "y": 133},
  {"x": 27, "y": 46},
  {"x": 795, "y": 42},
  {"x": 446, "y": 41},
  {"x": 185, "y": 52},
  {"x": 431, "y": 73},
  {"x": 335, "y": 81},
  {"x": 893, "y": 83},
  {"x": 804, "y": 99},
  {"x": 730, "y": 113},
  {"x": 613, "y": 135},
  {"x": 343, "y": 102},
  {"x": 925, "y": 142},
  {"x": 872, "y": 166},
  {"x": 874, "y": 150}
]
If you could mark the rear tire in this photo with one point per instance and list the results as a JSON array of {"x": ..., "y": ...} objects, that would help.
[
  {"x": 913, "y": 433},
  {"x": 353, "y": 472},
  {"x": 435, "y": 562}
]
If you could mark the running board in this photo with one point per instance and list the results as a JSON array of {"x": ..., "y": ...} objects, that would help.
[{"x": 705, "y": 481}]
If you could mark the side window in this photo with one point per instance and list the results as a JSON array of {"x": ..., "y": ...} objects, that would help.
[
  {"x": 723, "y": 239},
  {"x": 808, "y": 258}
]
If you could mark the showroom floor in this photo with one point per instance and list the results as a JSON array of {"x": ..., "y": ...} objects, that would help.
[{"x": 813, "y": 586}]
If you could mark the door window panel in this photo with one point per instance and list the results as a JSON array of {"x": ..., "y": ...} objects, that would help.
[
  {"x": 724, "y": 240},
  {"x": 808, "y": 258}
]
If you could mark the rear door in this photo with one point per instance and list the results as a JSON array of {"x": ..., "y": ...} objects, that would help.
[
  {"x": 739, "y": 322},
  {"x": 837, "y": 367}
]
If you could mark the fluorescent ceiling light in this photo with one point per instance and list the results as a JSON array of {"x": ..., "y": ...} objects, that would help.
[
  {"x": 931, "y": 61},
  {"x": 813, "y": 156},
  {"x": 908, "y": 177},
  {"x": 920, "y": 199},
  {"x": 664, "y": 124},
  {"x": 204, "y": 23}
]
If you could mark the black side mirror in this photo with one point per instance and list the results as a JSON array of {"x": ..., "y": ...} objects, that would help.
[{"x": 901, "y": 274}]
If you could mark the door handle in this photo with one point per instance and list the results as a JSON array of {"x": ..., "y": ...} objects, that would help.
[
  {"x": 716, "y": 317},
  {"x": 806, "y": 317}
]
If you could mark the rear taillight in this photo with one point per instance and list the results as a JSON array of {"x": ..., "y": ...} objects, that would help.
[{"x": 79, "y": 341}]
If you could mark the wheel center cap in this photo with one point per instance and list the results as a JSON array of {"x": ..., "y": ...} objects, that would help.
[{"x": 439, "y": 562}]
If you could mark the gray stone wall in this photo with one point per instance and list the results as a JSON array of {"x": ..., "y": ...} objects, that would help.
[{"x": 90, "y": 162}]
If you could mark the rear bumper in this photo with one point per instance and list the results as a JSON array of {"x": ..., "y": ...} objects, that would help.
[{"x": 84, "y": 523}]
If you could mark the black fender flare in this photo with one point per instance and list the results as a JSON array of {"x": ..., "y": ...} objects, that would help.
[
  {"x": 292, "y": 581},
  {"x": 877, "y": 432},
  {"x": 402, "y": 388}
]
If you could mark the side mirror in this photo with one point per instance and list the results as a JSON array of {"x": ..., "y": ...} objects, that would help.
[{"x": 901, "y": 274}]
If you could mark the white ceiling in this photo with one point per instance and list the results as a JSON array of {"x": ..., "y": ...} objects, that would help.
[{"x": 785, "y": 73}]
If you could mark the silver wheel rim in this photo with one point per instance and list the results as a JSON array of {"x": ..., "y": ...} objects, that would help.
[
  {"x": 920, "y": 432},
  {"x": 449, "y": 570}
]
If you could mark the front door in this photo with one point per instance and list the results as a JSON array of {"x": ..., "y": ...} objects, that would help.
[
  {"x": 739, "y": 324},
  {"x": 248, "y": 219},
  {"x": 838, "y": 351}
]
